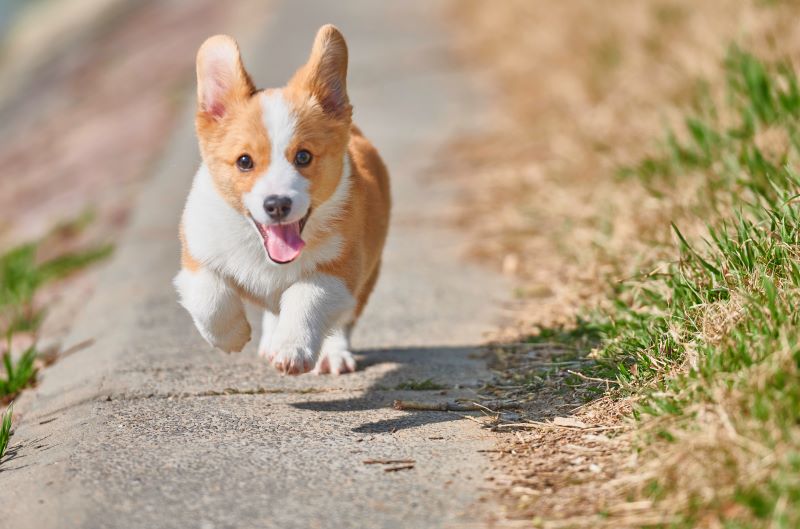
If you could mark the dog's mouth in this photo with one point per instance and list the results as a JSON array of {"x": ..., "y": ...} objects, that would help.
[{"x": 283, "y": 242}]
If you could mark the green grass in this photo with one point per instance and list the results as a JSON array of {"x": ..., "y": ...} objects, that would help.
[
  {"x": 5, "y": 430},
  {"x": 22, "y": 274},
  {"x": 709, "y": 343},
  {"x": 420, "y": 385},
  {"x": 750, "y": 251},
  {"x": 716, "y": 333},
  {"x": 17, "y": 375}
]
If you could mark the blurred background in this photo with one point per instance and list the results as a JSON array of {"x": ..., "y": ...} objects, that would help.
[
  {"x": 609, "y": 122},
  {"x": 91, "y": 89},
  {"x": 89, "y": 93}
]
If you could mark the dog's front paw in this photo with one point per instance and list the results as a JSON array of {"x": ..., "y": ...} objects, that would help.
[
  {"x": 230, "y": 338},
  {"x": 292, "y": 359},
  {"x": 335, "y": 362}
]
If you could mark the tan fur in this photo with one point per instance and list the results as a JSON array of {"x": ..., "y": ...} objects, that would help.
[
  {"x": 317, "y": 95},
  {"x": 187, "y": 261},
  {"x": 222, "y": 142},
  {"x": 365, "y": 222}
]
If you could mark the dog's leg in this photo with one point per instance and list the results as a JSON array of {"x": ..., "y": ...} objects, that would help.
[
  {"x": 268, "y": 324},
  {"x": 309, "y": 310},
  {"x": 335, "y": 356},
  {"x": 217, "y": 310}
]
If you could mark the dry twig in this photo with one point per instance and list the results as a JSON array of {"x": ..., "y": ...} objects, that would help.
[
  {"x": 452, "y": 406},
  {"x": 388, "y": 461},
  {"x": 399, "y": 467}
]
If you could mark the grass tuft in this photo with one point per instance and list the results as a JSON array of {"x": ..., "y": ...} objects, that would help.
[
  {"x": 19, "y": 375},
  {"x": 21, "y": 275},
  {"x": 711, "y": 342},
  {"x": 23, "y": 271},
  {"x": 5, "y": 430}
]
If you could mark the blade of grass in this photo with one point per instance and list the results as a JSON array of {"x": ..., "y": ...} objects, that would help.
[{"x": 5, "y": 430}]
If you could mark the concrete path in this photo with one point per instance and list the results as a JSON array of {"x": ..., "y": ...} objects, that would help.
[{"x": 149, "y": 427}]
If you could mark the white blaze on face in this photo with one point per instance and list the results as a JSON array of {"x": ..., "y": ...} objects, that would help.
[
  {"x": 281, "y": 177},
  {"x": 282, "y": 239}
]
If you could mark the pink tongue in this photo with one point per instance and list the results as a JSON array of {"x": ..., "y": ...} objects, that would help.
[{"x": 283, "y": 242}]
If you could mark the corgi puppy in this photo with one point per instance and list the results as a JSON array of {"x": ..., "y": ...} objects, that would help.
[{"x": 289, "y": 210}]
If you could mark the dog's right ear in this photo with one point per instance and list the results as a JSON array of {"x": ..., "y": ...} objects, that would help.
[{"x": 221, "y": 77}]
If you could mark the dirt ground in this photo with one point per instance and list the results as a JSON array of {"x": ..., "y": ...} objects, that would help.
[{"x": 578, "y": 92}]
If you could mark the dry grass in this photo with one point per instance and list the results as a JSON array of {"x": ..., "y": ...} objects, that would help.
[
  {"x": 583, "y": 91},
  {"x": 549, "y": 469}
]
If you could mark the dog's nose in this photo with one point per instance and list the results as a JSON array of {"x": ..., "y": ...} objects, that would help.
[{"x": 277, "y": 208}]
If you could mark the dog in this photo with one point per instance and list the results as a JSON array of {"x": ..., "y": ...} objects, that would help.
[{"x": 289, "y": 210}]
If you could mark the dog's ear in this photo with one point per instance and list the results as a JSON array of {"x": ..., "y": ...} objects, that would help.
[
  {"x": 221, "y": 77},
  {"x": 325, "y": 73}
]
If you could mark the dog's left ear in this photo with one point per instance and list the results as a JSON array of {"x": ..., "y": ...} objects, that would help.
[{"x": 325, "y": 73}]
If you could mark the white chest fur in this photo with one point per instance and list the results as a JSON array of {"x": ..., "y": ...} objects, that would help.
[{"x": 225, "y": 241}]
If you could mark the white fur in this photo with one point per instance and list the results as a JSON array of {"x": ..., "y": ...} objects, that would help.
[
  {"x": 224, "y": 240},
  {"x": 217, "y": 311},
  {"x": 335, "y": 356},
  {"x": 309, "y": 309},
  {"x": 230, "y": 250},
  {"x": 268, "y": 323},
  {"x": 281, "y": 177}
]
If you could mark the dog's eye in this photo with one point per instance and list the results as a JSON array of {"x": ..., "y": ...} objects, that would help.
[
  {"x": 302, "y": 158},
  {"x": 244, "y": 163}
]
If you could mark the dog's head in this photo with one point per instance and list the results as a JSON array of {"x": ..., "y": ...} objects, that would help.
[{"x": 274, "y": 155}]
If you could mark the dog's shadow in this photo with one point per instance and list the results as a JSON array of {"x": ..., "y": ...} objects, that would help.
[{"x": 416, "y": 365}]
